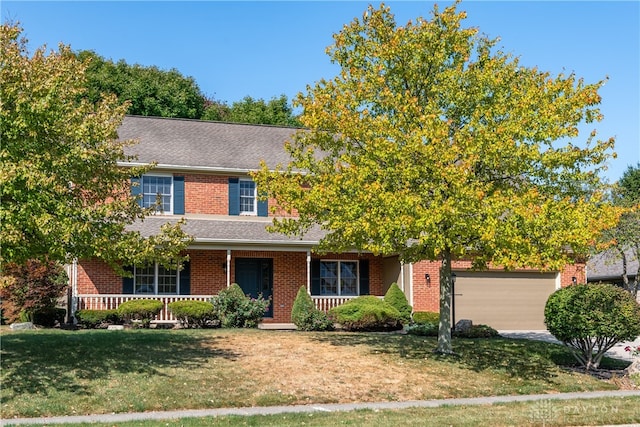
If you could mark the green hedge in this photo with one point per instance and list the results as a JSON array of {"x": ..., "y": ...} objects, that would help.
[
  {"x": 49, "y": 317},
  {"x": 194, "y": 314},
  {"x": 426, "y": 317},
  {"x": 366, "y": 313},
  {"x": 141, "y": 310},
  {"x": 92, "y": 319}
]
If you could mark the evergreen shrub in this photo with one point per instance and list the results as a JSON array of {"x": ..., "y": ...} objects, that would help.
[
  {"x": 140, "y": 310},
  {"x": 366, "y": 313},
  {"x": 193, "y": 314},
  {"x": 396, "y": 298},
  {"x": 306, "y": 316},
  {"x": 97, "y": 319}
]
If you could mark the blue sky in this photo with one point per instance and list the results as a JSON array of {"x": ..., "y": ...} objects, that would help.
[{"x": 267, "y": 48}]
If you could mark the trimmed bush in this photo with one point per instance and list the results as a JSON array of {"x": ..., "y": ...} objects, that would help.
[
  {"x": 49, "y": 317},
  {"x": 306, "y": 316},
  {"x": 426, "y": 317},
  {"x": 140, "y": 310},
  {"x": 97, "y": 319},
  {"x": 425, "y": 329},
  {"x": 396, "y": 298},
  {"x": 193, "y": 314},
  {"x": 478, "y": 331},
  {"x": 366, "y": 313},
  {"x": 590, "y": 319},
  {"x": 237, "y": 310}
]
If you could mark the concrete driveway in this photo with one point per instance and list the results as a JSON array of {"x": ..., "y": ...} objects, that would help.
[{"x": 617, "y": 351}]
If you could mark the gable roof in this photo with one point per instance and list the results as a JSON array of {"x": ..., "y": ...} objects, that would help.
[{"x": 204, "y": 145}]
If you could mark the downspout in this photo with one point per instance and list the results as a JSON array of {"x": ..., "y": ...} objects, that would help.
[
  {"x": 228, "y": 268},
  {"x": 309, "y": 272}
]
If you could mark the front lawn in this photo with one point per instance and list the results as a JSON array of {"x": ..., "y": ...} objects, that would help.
[{"x": 53, "y": 372}]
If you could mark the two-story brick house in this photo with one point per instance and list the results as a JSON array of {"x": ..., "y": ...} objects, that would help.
[{"x": 202, "y": 175}]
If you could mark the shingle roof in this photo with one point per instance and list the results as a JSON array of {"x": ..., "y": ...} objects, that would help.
[
  {"x": 224, "y": 231},
  {"x": 195, "y": 143},
  {"x": 608, "y": 266}
]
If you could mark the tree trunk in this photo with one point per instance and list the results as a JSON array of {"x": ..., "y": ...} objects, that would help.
[{"x": 444, "y": 327}]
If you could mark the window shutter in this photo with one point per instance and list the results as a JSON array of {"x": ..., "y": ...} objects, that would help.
[
  {"x": 127, "y": 282},
  {"x": 234, "y": 196},
  {"x": 364, "y": 277},
  {"x": 185, "y": 279},
  {"x": 136, "y": 190},
  {"x": 178, "y": 195},
  {"x": 263, "y": 208},
  {"x": 315, "y": 277}
]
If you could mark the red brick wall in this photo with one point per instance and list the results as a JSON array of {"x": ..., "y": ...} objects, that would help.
[
  {"x": 206, "y": 194},
  {"x": 207, "y": 272},
  {"x": 96, "y": 277},
  {"x": 427, "y": 298}
]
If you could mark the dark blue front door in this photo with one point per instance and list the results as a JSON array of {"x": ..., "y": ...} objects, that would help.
[{"x": 255, "y": 276}]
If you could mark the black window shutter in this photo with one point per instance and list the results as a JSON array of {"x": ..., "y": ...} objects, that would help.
[
  {"x": 185, "y": 279},
  {"x": 234, "y": 196},
  {"x": 364, "y": 277},
  {"x": 136, "y": 188},
  {"x": 315, "y": 277},
  {"x": 178, "y": 195},
  {"x": 127, "y": 282}
]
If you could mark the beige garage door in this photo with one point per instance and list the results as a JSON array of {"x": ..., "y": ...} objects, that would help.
[{"x": 507, "y": 301}]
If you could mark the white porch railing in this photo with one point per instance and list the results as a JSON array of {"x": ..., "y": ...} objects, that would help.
[
  {"x": 325, "y": 303},
  {"x": 111, "y": 302}
]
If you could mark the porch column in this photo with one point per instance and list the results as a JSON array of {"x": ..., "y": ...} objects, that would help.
[
  {"x": 228, "y": 268},
  {"x": 309, "y": 272}
]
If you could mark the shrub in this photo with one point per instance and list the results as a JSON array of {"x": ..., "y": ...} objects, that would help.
[
  {"x": 193, "y": 314},
  {"x": 34, "y": 286},
  {"x": 590, "y": 319},
  {"x": 306, "y": 316},
  {"x": 396, "y": 298},
  {"x": 425, "y": 329},
  {"x": 97, "y": 318},
  {"x": 366, "y": 313},
  {"x": 426, "y": 317},
  {"x": 142, "y": 310},
  {"x": 237, "y": 310},
  {"x": 49, "y": 317},
  {"x": 478, "y": 331}
]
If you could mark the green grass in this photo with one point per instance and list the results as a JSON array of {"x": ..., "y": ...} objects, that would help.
[
  {"x": 547, "y": 412},
  {"x": 53, "y": 372}
]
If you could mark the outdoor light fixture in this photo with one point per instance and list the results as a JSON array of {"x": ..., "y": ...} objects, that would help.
[
  {"x": 428, "y": 280},
  {"x": 224, "y": 267},
  {"x": 574, "y": 280}
]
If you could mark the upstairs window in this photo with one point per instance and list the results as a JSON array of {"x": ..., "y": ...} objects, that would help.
[
  {"x": 247, "y": 197},
  {"x": 156, "y": 191},
  {"x": 164, "y": 192}
]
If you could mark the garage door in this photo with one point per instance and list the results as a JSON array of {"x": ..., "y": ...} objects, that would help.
[{"x": 507, "y": 301}]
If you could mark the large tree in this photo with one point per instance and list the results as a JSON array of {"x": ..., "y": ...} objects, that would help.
[
  {"x": 276, "y": 111},
  {"x": 149, "y": 91},
  {"x": 63, "y": 193},
  {"x": 433, "y": 144},
  {"x": 623, "y": 240}
]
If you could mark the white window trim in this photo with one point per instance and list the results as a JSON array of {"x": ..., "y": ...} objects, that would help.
[
  {"x": 171, "y": 196},
  {"x": 339, "y": 283},
  {"x": 155, "y": 282},
  {"x": 255, "y": 198}
]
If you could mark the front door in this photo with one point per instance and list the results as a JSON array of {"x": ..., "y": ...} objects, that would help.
[{"x": 255, "y": 276}]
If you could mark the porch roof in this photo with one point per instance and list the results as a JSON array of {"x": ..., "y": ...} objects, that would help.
[
  {"x": 607, "y": 265},
  {"x": 225, "y": 232}
]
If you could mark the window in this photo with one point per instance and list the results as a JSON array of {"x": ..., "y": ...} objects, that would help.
[
  {"x": 157, "y": 190},
  {"x": 247, "y": 197},
  {"x": 155, "y": 279},
  {"x": 339, "y": 278}
]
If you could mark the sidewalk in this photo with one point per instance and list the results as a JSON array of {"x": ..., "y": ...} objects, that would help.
[{"x": 271, "y": 410}]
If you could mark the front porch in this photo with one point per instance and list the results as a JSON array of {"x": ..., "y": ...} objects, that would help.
[{"x": 113, "y": 301}]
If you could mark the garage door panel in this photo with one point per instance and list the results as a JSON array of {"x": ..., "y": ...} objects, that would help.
[{"x": 503, "y": 300}]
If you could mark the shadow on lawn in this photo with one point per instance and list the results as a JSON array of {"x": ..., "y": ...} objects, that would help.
[
  {"x": 50, "y": 359},
  {"x": 517, "y": 358}
]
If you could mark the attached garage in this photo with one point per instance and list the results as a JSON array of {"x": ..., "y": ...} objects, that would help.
[{"x": 504, "y": 300}]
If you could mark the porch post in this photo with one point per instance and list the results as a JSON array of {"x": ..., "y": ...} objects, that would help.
[
  {"x": 228, "y": 268},
  {"x": 309, "y": 272}
]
